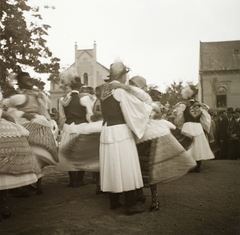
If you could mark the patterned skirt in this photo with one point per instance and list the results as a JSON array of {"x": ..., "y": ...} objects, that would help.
[
  {"x": 163, "y": 159},
  {"x": 184, "y": 140},
  {"x": 41, "y": 135},
  {"x": 18, "y": 165}
]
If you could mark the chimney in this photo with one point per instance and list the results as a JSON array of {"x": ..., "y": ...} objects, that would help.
[
  {"x": 75, "y": 47},
  {"x": 95, "y": 50}
]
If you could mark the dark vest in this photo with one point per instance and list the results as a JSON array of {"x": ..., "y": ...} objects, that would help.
[
  {"x": 111, "y": 112},
  {"x": 75, "y": 112}
]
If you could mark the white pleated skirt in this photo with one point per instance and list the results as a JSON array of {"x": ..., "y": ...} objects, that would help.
[
  {"x": 119, "y": 163},
  {"x": 200, "y": 148}
]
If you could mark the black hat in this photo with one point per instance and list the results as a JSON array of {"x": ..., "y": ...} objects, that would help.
[
  {"x": 230, "y": 110},
  {"x": 76, "y": 83},
  {"x": 24, "y": 79},
  {"x": 237, "y": 110}
]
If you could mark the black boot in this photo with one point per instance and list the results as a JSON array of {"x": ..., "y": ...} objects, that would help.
[
  {"x": 155, "y": 204},
  {"x": 39, "y": 187},
  {"x": 115, "y": 201},
  {"x": 4, "y": 210},
  {"x": 131, "y": 207},
  {"x": 73, "y": 179},
  {"x": 199, "y": 166},
  {"x": 80, "y": 177},
  {"x": 96, "y": 180},
  {"x": 140, "y": 197}
]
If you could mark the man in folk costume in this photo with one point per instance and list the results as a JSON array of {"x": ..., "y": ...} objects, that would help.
[
  {"x": 123, "y": 114},
  {"x": 193, "y": 120},
  {"x": 29, "y": 108},
  {"x": 75, "y": 111}
]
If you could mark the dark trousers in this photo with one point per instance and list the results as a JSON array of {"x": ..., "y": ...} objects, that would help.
[
  {"x": 223, "y": 150},
  {"x": 233, "y": 150},
  {"x": 3, "y": 200},
  {"x": 76, "y": 178}
]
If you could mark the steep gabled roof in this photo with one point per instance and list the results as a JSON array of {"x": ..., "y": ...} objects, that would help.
[
  {"x": 217, "y": 56},
  {"x": 80, "y": 52},
  {"x": 103, "y": 66}
]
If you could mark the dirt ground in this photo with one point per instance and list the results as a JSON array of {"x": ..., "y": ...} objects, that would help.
[{"x": 204, "y": 203}]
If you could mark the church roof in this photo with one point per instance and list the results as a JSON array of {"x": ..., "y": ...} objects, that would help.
[
  {"x": 217, "y": 56},
  {"x": 89, "y": 51}
]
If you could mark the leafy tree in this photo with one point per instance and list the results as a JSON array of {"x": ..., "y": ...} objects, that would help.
[
  {"x": 22, "y": 43},
  {"x": 173, "y": 94}
]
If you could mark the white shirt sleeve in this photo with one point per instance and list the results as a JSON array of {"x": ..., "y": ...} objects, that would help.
[
  {"x": 87, "y": 102},
  {"x": 15, "y": 100},
  {"x": 136, "y": 113}
]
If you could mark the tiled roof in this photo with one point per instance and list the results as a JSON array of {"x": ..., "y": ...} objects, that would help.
[{"x": 217, "y": 56}]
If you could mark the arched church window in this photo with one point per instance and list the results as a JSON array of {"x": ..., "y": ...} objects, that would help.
[
  {"x": 221, "y": 97},
  {"x": 85, "y": 78}
]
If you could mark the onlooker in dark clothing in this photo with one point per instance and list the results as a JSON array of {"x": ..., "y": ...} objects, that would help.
[
  {"x": 233, "y": 131},
  {"x": 222, "y": 124},
  {"x": 231, "y": 123}
]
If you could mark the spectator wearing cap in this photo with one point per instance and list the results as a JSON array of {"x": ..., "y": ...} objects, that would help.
[{"x": 234, "y": 136}]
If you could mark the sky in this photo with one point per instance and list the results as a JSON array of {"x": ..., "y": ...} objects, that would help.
[{"x": 158, "y": 39}]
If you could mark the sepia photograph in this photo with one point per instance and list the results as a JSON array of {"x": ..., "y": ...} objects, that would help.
[{"x": 120, "y": 117}]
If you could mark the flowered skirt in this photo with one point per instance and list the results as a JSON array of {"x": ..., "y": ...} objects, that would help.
[
  {"x": 18, "y": 165},
  {"x": 42, "y": 142}
]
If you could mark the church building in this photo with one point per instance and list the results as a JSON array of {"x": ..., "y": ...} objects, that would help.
[{"x": 92, "y": 73}]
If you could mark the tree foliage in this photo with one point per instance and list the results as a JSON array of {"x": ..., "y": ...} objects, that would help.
[
  {"x": 23, "y": 43},
  {"x": 173, "y": 93}
]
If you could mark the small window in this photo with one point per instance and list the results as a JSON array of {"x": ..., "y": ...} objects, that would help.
[
  {"x": 221, "y": 97},
  {"x": 85, "y": 77}
]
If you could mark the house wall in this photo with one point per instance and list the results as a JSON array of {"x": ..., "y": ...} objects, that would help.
[{"x": 211, "y": 83}]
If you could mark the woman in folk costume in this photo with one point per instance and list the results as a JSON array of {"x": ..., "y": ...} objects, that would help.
[
  {"x": 162, "y": 157},
  {"x": 18, "y": 166},
  {"x": 29, "y": 108},
  {"x": 193, "y": 119},
  {"x": 75, "y": 111},
  {"x": 123, "y": 114}
]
